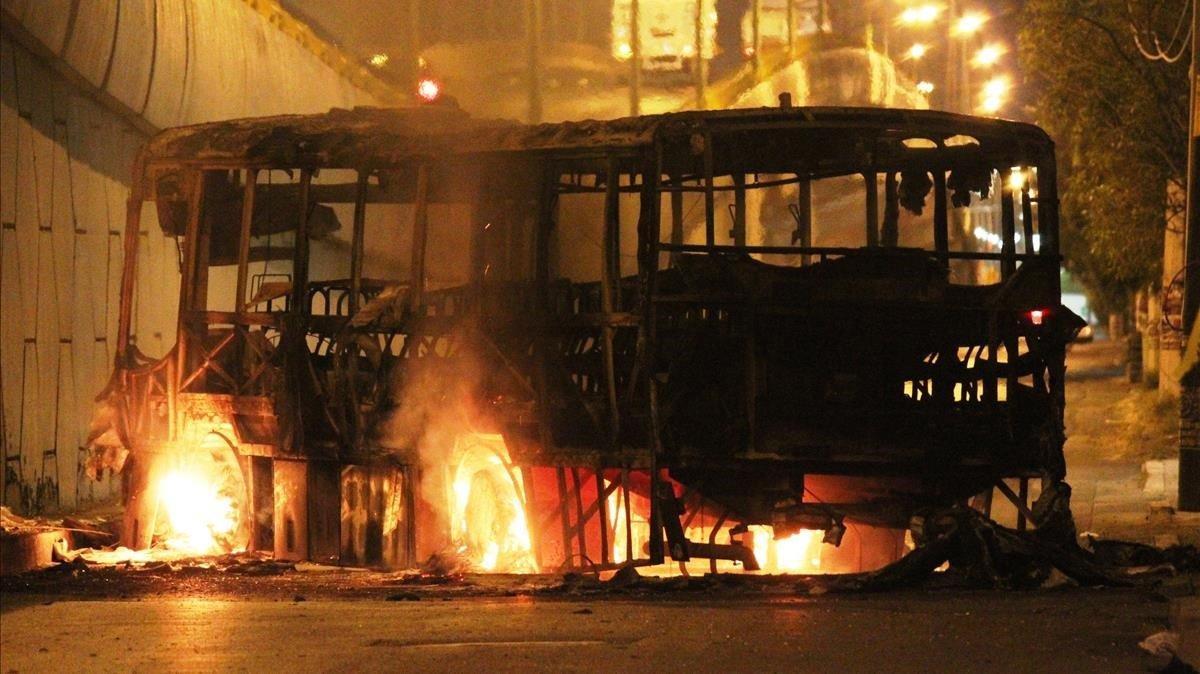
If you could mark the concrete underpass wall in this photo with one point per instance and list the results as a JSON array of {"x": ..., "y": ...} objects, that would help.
[{"x": 82, "y": 84}]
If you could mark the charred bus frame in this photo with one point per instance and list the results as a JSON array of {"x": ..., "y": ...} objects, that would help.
[{"x": 718, "y": 375}]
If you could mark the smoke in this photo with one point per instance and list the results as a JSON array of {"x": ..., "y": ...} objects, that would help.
[
  {"x": 433, "y": 403},
  {"x": 433, "y": 399}
]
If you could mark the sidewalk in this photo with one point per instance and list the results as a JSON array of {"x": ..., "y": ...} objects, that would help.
[{"x": 1122, "y": 453}]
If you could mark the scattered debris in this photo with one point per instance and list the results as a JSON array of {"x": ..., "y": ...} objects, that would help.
[
  {"x": 1161, "y": 644},
  {"x": 13, "y": 524},
  {"x": 624, "y": 577},
  {"x": 1124, "y": 554},
  {"x": 449, "y": 563},
  {"x": 981, "y": 553}
]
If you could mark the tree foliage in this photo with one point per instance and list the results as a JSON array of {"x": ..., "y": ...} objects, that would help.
[{"x": 1120, "y": 120}]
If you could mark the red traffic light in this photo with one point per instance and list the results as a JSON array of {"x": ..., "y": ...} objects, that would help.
[{"x": 428, "y": 90}]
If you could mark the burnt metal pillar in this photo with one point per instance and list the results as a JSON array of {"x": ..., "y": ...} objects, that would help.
[
  {"x": 1008, "y": 225},
  {"x": 187, "y": 281},
  {"x": 357, "y": 246},
  {"x": 610, "y": 280},
  {"x": 890, "y": 235},
  {"x": 1189, "y": 395},
  {"x": 710, "y": 215},
  {"x": 738, "y": 233},
  {"x": 676, "y": 216},
  {"x": 871, "y": 183},
  {"x": 243, "y": 268},
  {"x": 804, "y": 217},
  {"x": 133, "y": 226},
  {"x": 295, "y": 343},
  {"x": 244, "y": 234},
  {"x": 941, "y": 225}
]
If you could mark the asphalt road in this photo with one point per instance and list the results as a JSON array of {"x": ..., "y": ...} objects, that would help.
[{"x": 1067, "y": 631}]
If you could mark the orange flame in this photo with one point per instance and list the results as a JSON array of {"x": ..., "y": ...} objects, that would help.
[
  {"x": 200, "y": 494},
  {"x": 799, "y": 553},
  {"x": 488, "y": 522},
  {"x": 198, "y": 517}
]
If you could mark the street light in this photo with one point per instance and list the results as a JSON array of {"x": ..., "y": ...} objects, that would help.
[
  {"x": 993, "y": 94},
  {"x": 996, "y": 87},
  {"x": 917, "y": 51},
  {"x": 925, "y": 87},
  {"x": 920, "y": 15},
  {"x": 988, "y": 55},
  {"x": 968, "y": 24}
]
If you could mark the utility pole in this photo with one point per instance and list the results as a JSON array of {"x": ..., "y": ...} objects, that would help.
[
  {"x": 756, "y": 35},
  {"x": 1189, "y": 394},
  {"x": 413, "y": 69},
  {"x": 791, "y": 28},
  {"x": 635, "y": 61},
  {"x": 952, "y": 90},
  {"x": 699, "y": 63},
  {"x": 533, "y": 40}
]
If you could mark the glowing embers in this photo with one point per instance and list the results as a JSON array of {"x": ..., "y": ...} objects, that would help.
[
  {"x": 200, "y": 493},
  {"x": 487, "y": 516}
]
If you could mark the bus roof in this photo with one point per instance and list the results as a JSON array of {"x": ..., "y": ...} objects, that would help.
[{"x": 388, "y": 137}]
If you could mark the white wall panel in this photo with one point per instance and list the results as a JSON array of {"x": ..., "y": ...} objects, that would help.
[
  {"x": 48, "y": 21},
  {"x": 11, "y": 364},
  {"x": 164, "y": 106},
  {"x": 133, "y": 53},
  {"x": 90, "y": 44},
  {"x": 8, "y": 135},
  {"x": 67, "y": 426}
]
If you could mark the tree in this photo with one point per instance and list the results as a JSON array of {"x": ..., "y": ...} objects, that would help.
[{"x": 1121, "y": 123}]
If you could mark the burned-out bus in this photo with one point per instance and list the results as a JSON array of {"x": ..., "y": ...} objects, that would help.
[{"x": 756, "y": 338}]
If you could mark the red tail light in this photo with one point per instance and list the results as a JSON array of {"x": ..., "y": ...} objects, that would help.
[{"x": 1038, "y": 316}]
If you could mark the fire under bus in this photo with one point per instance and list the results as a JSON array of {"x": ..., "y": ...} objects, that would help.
[{"x": 755, "y": 339}]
